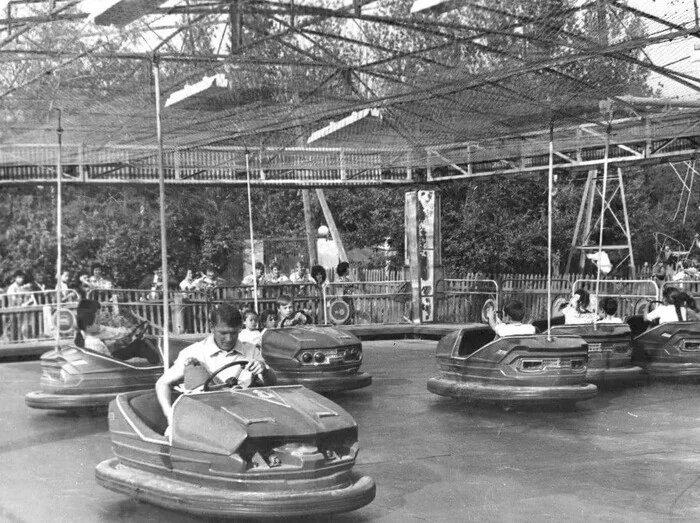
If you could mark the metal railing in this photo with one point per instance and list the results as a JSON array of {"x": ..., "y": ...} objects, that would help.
[
  {"x": 631, "y": 295},
  {"x": 28, "y": 317},
  {"x": 461, "y": 301}
]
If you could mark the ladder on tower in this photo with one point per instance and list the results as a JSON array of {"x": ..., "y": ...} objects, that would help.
[{"x": 594, "y": 200}]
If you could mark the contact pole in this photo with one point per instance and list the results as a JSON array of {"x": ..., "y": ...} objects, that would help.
[
  {"x": 602, "y": 219},
  {"x": 250, "y": 227},
  {"x": 163, "y": 235},
  {"x": 59, "y": 227},
  {"x": 550, "y": 187}
]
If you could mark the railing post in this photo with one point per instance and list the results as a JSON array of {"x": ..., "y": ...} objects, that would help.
[{"x": 178, "y": 314}]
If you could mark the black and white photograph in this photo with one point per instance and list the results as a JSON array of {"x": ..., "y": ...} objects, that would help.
[{"x": 349, "y": 261}]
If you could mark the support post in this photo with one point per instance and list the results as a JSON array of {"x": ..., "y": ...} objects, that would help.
[
  {"x": 163, "y": 235},
  {"x": 310, "y": 232},
  {"x": 411, "y": 246},
  {"x": 424, "y": 253},
  {"x": 331, "y": 225}
]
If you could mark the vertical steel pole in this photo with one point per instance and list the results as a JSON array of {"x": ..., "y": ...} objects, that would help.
[
  {"x": 163, "y": 235},
  {"x": 602, "y": 218},
  {"x": 59, "y": 227},
  {"x": 250, "y": 226},
  {"x": 550, "y": 187}
]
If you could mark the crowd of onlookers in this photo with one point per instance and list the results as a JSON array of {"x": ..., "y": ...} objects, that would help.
[{"x": 25, "y": 288}]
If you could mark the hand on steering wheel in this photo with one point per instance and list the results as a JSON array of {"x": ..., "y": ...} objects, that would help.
[
  {"x": 210, "y": 379},
  {"x": 139, "y": 331},
  {"x": 297, "y": 318},
  {"x": 652, "y": 305}
]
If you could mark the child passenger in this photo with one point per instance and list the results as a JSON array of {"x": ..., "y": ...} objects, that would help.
[
  {"x": 268, "y": 319},
  {"x": 286, "y": 314},
  {"x": 109, "y": 341},
  {"x": 579, "y": 310},
  {"x": 677, "y": 306},
  {"x": 608, "y": 308},
  {"x": 512, "y": 324},
  {"x": 250, "y": 334}
]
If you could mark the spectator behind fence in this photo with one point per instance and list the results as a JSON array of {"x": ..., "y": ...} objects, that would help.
[
  {"x": 276, "y": 275},
  {"x": 319, "y": 275},
  {"x": 300, "y": 275},
  {"x": 257, "y": 277},
  {"x": 209, "y": 280},
  {"x": 189, "y": 283},
  {"x": 18, "y": 292},
  {"x": 97, "y": 280},
  {"x": 66, "y": 287}
]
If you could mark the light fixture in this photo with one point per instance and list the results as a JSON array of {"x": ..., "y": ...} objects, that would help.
[
  {"x": 434, "y": 6},
  {"x": 340, "y": 124},
  {"x": 206, "y": 84},
  {"x": 118, "y": 12}
]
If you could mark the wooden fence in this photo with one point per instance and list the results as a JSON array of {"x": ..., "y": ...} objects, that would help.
[{"x": 29, "y": 317}]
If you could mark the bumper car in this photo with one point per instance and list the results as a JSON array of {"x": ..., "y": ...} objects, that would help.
[
  {"x": 322, "y": 358},
  {"x": 609, "y": 351},
  {"x": 281, "y": 452},
  {"x": 512, "y": 370},
  {"x": 78, "y": 378},
  {"x": 668, "y": 350}
]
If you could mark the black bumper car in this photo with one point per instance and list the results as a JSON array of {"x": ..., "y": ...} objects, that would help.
[{"x": 512, "y": 370}]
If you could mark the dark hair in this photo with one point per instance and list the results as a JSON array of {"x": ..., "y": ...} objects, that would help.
[
  {"x": 96, "y": 266},
  {"x": 86, "y": 314},
  {"x": 682, "y": 299},
  {"x": 248, "y": 312},
  {"x": 19, "y": 273},
  {"x": 260, "y": 265},
  {"x": 584, "y": 300},
  {"x": 284, "y": 299},
  {"x": 515, "y": 309},
  {"x": 342, "y": 268},
  {"x": 264, "y": 315},
  {"x": 225, "y": 314},
  {"x": 318, "y": 271},
  {"x": 609, "y": 306}
]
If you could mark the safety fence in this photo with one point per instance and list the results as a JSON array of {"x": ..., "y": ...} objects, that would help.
[
  {"x": 27, "y": 317},
  {"x": 462, "y": 301},
  {"x": 31, "y": 316}
]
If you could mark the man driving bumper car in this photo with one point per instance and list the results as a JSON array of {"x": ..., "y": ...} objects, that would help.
[{"x": 220, "y": 349}]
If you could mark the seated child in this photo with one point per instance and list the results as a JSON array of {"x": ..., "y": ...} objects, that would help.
[
  {"x": 513, "y": 314},
  {"x": 91, "y": 335},
  {"x": 677, "y": 306},
  {"x": 580, "y": 310},
  {"x": 250, "y": 334},
  {"x": 608, "y": 308},
  {"x": 286, "y": 314},
  {"x": 268, "y": 319}
]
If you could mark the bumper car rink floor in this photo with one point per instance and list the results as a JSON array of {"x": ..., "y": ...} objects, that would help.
[{"x": 629, "y": 454}]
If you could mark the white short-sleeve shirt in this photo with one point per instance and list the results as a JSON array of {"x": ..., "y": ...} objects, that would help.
[
  {"x": 208, "y": 353},
  {"x": 514, "y": 329},
  {"x": 666, "y": 314}
]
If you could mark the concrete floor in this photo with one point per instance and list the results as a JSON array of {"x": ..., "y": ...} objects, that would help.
[{"x": 631, "y": 454}]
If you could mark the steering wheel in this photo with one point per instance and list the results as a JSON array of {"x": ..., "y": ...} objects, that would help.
[
  {"x": 139, "y": 331},
  {"x": 652, "y": 305},
  {"x": 297, "y": 318},
  {"x": 210, "y": 379}
]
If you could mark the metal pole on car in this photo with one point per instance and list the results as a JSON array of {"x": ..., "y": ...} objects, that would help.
[
  {"x": 602, "y": 221},
  {"x": 250, "y": 226},
  {"x": 163, "y": 236},
  {"x": 59, "y": 228},
  {"x": 550, "y": 186}
]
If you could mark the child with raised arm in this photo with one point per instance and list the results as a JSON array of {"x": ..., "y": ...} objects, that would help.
[
  {"x": 580, "y": 309},
  {"x": 512, "y": 324}
]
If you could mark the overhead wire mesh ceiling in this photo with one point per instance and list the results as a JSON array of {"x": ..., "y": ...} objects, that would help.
[{"x": 485, "y": 74}]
